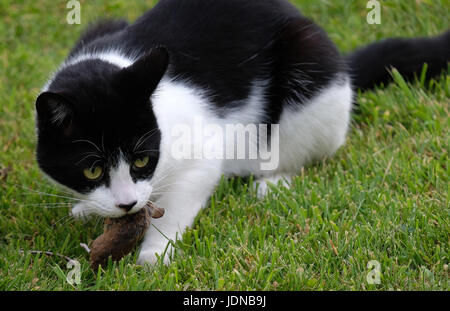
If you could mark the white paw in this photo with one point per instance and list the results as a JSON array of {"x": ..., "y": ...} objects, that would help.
[
  {"x": 151, "y": 256},
  {"x": 274, "y": 181},
  {"x": 263, "y": 189}
]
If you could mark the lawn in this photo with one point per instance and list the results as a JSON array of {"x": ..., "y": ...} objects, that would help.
[{"x": 383, "y": 197}]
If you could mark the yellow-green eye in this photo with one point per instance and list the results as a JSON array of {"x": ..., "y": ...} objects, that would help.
[
  {"x": 142, "y": 162},
  {"x": 93, "y": 173}
]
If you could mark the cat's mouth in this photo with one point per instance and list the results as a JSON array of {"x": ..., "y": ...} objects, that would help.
[
  {"x": 122, "y": 197},
  {"x": 88, "y": 209}
]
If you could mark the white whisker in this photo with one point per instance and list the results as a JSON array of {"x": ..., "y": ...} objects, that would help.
[
  {"x": 144, "y": 138},
  {"x": 87, "y": 141}
]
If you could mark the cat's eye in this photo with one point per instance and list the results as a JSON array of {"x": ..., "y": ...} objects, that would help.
[
  {"x": 141, "y": 162},
  {"x": 93, "y": 173}
]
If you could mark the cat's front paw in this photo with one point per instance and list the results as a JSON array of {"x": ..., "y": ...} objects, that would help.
[
  {"x": 151, "y": 256},
  {"x": 266, "y": 184}
]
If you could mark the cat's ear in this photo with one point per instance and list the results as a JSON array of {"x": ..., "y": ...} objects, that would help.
[
  {"x": 144, "y": 75},
  {"x": 53, "y": 110}
]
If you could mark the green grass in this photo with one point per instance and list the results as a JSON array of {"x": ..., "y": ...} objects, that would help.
[{"x": 384, "y": 196}]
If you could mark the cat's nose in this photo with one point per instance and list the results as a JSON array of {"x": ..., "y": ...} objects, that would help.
[{"x": 127, "y": 207}]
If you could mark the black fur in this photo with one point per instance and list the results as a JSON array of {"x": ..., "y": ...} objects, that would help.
[
  {"x": 304, "y": 61},
  {"x": 93, "y": 110},
  {"x": 99, "y": 29},
  {"x": 370, "y": 65},
  {"x": 106, "y": 113},
  {"x": 224, "y": 45}
]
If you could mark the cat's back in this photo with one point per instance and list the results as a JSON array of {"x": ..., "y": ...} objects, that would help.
[
  {"x": 225, "y": 44},
  {"x": 229, "y": 50},
  {"x": 204, "y": 24}
]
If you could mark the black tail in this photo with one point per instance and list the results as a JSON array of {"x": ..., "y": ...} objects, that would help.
[{"x": 369, "y": 66}]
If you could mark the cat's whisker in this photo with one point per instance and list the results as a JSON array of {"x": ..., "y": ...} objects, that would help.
[
  {"x": 65, "y": 218},
  {"x": 50, "y": 203},
  {"x": 162, "y": 176},
  {"x": 92, "y": 154},
  {"x": 164, "y": 171},
  {"x": 170, "y": 192},
  {"x": 87, "y": 141},
  {"x": 148, "y": 150},
  {"x": 167, "y": 172},
  {"x": 168, "y": 185},
  {"x": 160, "y": 179},
  {"x": 144, "y": 138},
  {"x": 59, "y": 189},
  {"x": 159, "y": 182},
  {"x": 40, "y": 185},
  {"x": 103, "y": 142},
  {"x": 34, "y": 192},
  {"x": 40, "y": 192},
  {"x": 140, "y": 138},
  {"x": 54, "y": 195},
  {"x": 46, "y": 205},
  {"x": 62, "y": 191},
  {"x": 93, "y": 164}
]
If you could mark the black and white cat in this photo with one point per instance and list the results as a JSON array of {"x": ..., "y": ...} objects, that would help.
[{"x": 106, "y": 120}]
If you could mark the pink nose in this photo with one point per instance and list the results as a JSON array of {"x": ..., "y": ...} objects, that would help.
[{"x": 127, "y": 207}]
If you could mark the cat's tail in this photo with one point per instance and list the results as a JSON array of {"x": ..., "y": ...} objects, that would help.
[{"x": 370, "y": 65}]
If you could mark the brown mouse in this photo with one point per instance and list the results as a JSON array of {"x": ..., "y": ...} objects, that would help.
[{"x": 121, "y": 235}]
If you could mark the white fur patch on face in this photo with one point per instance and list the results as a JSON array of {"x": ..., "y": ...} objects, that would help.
[
  {"x": 105, "y": 201},
  {"x": 122, "y": 186}
]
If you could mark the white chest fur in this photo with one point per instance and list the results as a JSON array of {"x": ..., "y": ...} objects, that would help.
[{"x": 311, "y": 132}]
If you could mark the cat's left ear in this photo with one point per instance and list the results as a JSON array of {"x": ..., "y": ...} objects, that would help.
[
  {"x": 53, "y": 108},
  {"x": 54, "y": 112},
  {"x": 144, "y": 75}
]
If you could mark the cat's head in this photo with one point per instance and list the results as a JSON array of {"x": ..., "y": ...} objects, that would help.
[{"x": 98, "y": 135}]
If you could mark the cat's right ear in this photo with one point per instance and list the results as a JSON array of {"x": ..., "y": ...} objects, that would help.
[
  {"x": 144, "y": 75},
  {"x": 53, "y": 110}
]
